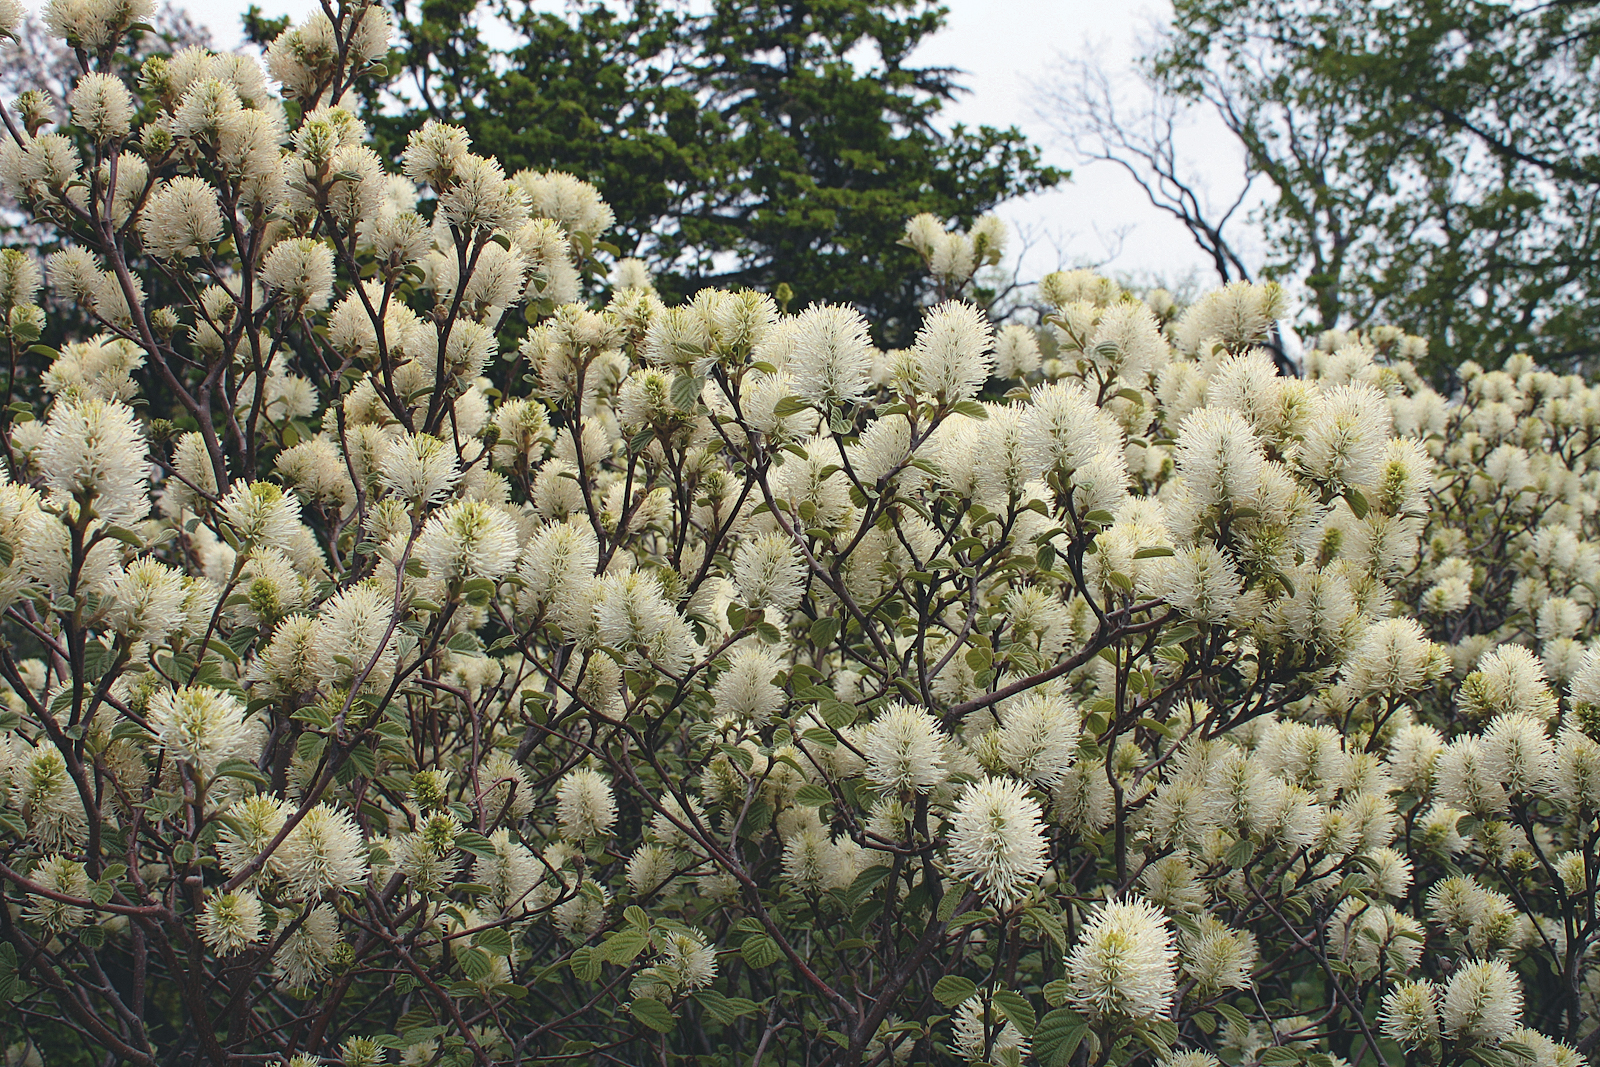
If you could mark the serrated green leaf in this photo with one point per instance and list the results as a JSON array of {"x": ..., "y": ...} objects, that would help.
[
  {"x": 953, "y": 989},
  {"x": 812, "y": 795},
  {"x": 238, "y": 768},
  {"x": 496, "y": 941},
  {"x": 1017, "y": 1009},
  {"x": 653, "y": 1014},
  {"x": 760, "y": 951},
  {"x": 623, "y": 947},
  {"x": 1058, "y": 1036}
]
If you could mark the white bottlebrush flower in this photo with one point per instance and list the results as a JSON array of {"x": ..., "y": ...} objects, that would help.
[
  {"x": 204, "y": 726},
  {"x": 953, "y": 258},
  {"x": 94, "y": 25},
  {"x": 59, "y": 874},
  {"x": 323, "y": 852},
  {"x": 1218, "y": 957},
  {"x": 1410, "y": 1015},
  {"x": 149, "y": 601},
  {"x": 1413, "y": 755},
  {"x": 1038, "y": 739},
  {"x": 1346, "y": 438},
  {"x": 649, "y": 868},
  {"x": 181, "y": 220},
  {"x": 631, "y": 614},
  {"x": 558, "y": 559},
  {"x": 982, "y": 1035},
  {"x": 1016, "y": 352},
  {"x": 511, "y": 873},
  {"x": 572, "y": 203},
  {"x": 1466, "y": 778},
  {"x": 684, "y": 961},
  {"x": 1363, "y": 932},
  {"x": 252, "y": 824},
  {"x": 468, "y": 539},
  {"x": 998, "y": 840},
  {"x": 1219, "y": 457},
  {"x": 1124, "y": 962},
  {"x": 231, "y": 922},
  {"x": 1519, "y": 753},
  {"x": 94, "y": 452},
  {"x": 1509, "y": 679},
  {"x": 905, "y": 750},
  {"x": 1064, "y": 428},
  {"x": 1482, "y": 1002},
  {"x": 746, "y": 688},
  {"x": 1394, "y": 656},
  {"x": 768, "y": 571},
  {"x": 307, "y": 954},
  {"x": 479, "y": 197},
  {"x": 354, "y": 637},
  {"x": 433, "y": 152},
  {"x": 262, "y": 515},
  {"x": 302, "y": 270},
  {"x": 48, "y": 796},
  {"x": 11, "y": 12},
  {"x": 419, "y": 467},
  {"x": 1577, "y": 770},
  {"x": 102, "y": 107},
  {"x": 1237, "y": 315},
  {"x": 805, "y": 859},
  {"x": 585, "y": 805},
  {"x": 952, "y": 353},
  {"x": 632, "y": 273},
  {"x": 831, "y": 355},
  {"x": 1127, "y": 341},
  {"x": 1202, "y": 583}
]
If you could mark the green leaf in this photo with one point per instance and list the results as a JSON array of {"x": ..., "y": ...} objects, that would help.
[
  {"x": 1058, "y": 1036},
  {"x": 790, "y": 405},
  {"x": 496, "y": 941},
  {"x": 760, "y": 951},
  {"x": 1358, "y": 503},
  {"x": 1153, "y": 552},
  {"x": 953, "y": 989},
  {"x": 1240, "y": 852},
  {"x": 1278, "y": 1056},
  {"x": 725, "y": 1009},
  {"x": 623, "y": 947},
  {"x": 1234, "y": 1016},
  {"x": 475, "y": 962},
  {"x": 1050, "y": 925},
  {"x": 686, "y": 391},
  {"x": 464, "y": 643},
  {"x": 127, "y": 537},
  {"x": 653, "y": 1014},
  {"x": 585, "y": 964},
  {"x": 971, "y": 409},
  {"x": 238, "y": 768},
  {"x": 1017, "y": 1009},
  {"x": 812, "y": 795},
  {"x": 475, "y": 843}
]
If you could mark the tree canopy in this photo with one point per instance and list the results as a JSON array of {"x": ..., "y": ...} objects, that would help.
[
  {"x": 1432, "y": 162},
  {"x": 753, "y": 143}
]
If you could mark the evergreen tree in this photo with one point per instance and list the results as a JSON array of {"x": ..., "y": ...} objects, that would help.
[{"x": 762, "y": 142}]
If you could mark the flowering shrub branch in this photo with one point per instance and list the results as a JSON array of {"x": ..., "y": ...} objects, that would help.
[{"x": 410, "y": 660}]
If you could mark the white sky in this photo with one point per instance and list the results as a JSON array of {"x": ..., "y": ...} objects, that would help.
[{"x": 1006, "y": 47}]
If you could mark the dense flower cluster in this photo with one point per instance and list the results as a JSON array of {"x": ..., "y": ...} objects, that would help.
[{"x": 421, "y": 648}]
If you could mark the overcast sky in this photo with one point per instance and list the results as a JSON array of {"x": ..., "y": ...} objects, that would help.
[{"x": 1007, "y": 48}]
